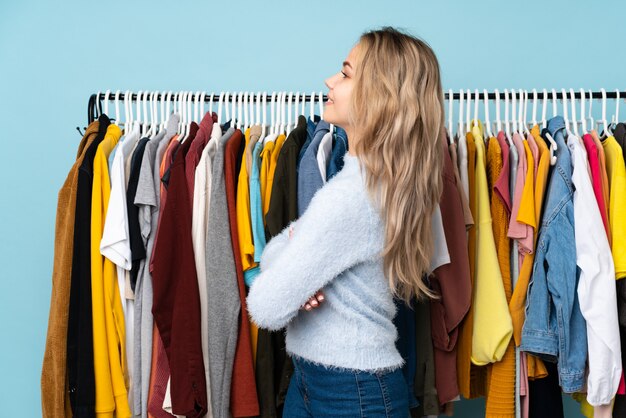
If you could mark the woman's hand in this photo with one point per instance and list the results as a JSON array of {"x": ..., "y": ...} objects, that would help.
[{"x": 315, "y": 301}]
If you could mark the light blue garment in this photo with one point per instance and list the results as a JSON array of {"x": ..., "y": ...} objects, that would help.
[
  {"x": 555, "y": 328},
  {"x": 309, "y": 177},
  {"x": 311, "y": 126},
  {"x": 336, "y": 246},
  {"x": 340, "y": 147},
  {"x": 256, "y": 212}
]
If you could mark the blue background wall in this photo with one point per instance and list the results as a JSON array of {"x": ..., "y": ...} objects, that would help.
[{"x": 53, "y": 55}]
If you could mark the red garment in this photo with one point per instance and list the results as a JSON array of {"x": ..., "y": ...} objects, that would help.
[
  {"x": 596, "y": 179},
  {"x": 159, "y": 385},
  {"x": 195, "y": 152},
  {"x": 176, "y": 306},
  {"x": 452, "y": 282},
  {"x": 243, "y": 394}
]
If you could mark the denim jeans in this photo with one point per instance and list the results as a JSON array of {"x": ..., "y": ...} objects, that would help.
[{"x": 318, "y": 391}]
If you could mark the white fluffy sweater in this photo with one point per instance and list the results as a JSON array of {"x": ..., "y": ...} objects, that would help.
[{"x": 335, "y": 246}]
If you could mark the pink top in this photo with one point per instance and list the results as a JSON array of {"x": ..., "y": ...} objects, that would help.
[
  {"x": 518, "y": 230},
  {"x": 534, "y": 148},
  {"x": 596, "y": 179}
]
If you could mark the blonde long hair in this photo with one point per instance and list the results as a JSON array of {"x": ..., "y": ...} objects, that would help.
[{"x": 398, "y": 113}]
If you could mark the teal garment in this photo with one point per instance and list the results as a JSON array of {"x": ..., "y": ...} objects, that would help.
[{"x": 256, "y": 212}]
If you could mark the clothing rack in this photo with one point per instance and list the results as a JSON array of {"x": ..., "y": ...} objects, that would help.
[{"x": 95, "y": 100}]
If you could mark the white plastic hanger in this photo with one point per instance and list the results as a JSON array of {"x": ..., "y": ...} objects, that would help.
[
  {"x": 476, "y": 99},
  {"x": 220, "y": 104},
  {"x": 106, "y": 102},
  {"x": 246, "y": 115},
  {"x": 574, "y": 118},
  {"x": 554, "y": 111},
  {"x": 272, "y": 127},
  {"x": 544, "y": 110},
  {"x": 320, "y": 103},
  {"x": 460, "y": 131},
  {"x": 583, "y": 118},
  {"x": 227, "y": 110},
  {"x": 201, "y": 105},
  {"x": 468, "y": 124},
  {"x": 288, "y": 127},
  {"x": 117, "y": 108},
  {"x": 487, "y": 121},
  {"x": 196, "y": 104},
  {"x": 296, "y": 110},
  {"x": 98, "y": 104},
  {"x": 590, "y": 117},
  {"x": 615, "y": 118},
  {"x": 139, "y": 120},
  {"x": 507, "y": 127},
  {"x": 128, "y": 119},
  {"x": 566, "y": 113},
  {"x": 534, "y": 120},
  {"x": 498, "y": 120},
  {"x": 514, "y": 111},
  {"x": 525, "y": 116}
]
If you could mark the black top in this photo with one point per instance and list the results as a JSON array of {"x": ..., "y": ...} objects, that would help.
[
  {"x": 80, "y": 367},
  {"x": 137, "y": 247},
  {"x": 284, "y": 199}
]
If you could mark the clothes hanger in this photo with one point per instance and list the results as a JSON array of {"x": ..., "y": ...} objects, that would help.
[
  {"x": 507, "y": 127},
  {"x": 525, "y": 115},
  {"x": 127, "y": 112},
  {"x": 146, "y": 125},
  {"x": 460, "y": 129},
  {"x": 554, "y": 110},
  {"x": 476, "y": 98},
  {"x": 296, "y": 109},
  {"x": 615, "y": 117},
  {"x": 201, "y": 106},
  {"x": 514, "y": 111},
  {"x": 534, "y": 120},
  {"x": 246, "y": 115},
  {"x": 487, "y": 121},
  {"x": 468, "y": 125},
  {"x": 303, "y": 106},
  {"x": 117, "y": 107},
  {"x": 106, "y": 102},
  {"x": 590, "y": 117},
  {"x": 551, "y": 141},
  {"x": 544, "y": 111},
  {"x": 288, "y": 110},
  {"x": 139, "y": 119},
  {"x": 574, "y": 118},
  {"x": 498, "y": 120},
  {"x": 566, "y": 113},
  {"x": 227, "y": 111},
  {"x": 583, "y": 119},
  {"x": 220, "y": 105}
]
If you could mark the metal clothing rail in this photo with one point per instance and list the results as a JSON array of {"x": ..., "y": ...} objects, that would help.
[{"x": 95, "y": 100}]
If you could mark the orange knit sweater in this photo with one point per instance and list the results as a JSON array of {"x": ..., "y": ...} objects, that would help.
[{"x": 501, "y": 391}]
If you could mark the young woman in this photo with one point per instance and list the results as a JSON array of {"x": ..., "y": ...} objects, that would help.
[{"x": 331, "y": 276}]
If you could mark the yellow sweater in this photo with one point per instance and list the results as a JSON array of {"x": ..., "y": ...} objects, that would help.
[
  {"x": 492, "y": 322},
  {"x": 278, "y": 144},
  {"x": 107, "y": 314},
  {"x": 500, "y": 400},
  {"x": 244, "y": 226},
  {"x": 617, "y": 201}
]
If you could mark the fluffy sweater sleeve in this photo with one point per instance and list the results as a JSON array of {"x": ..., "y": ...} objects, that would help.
[{"x": 339, "y": 229}]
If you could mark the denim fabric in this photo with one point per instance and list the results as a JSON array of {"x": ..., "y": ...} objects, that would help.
[
  {"x": 309, "y": 177},
  {"x": 311, "y": 125},
  {"x": 317, "y": 391},
  {"x": 555, "y": 328},
  {"x": 340, "y": 147}
]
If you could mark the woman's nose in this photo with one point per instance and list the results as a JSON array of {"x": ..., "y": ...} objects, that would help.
[{"x": 329, "y": 82}]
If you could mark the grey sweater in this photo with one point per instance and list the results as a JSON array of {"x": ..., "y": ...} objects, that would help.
[
  {"x": 223, "y": 303},
  {"x": 335, "y": 246}
]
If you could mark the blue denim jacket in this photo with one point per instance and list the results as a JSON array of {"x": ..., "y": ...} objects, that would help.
[
  {"x": 555, "y": 328},
  {"x": 340, "y": 147}
]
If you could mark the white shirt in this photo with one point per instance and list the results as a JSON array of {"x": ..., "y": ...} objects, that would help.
[
  {"x": 596, "y": 288},
  {"x": 199, "y": 223},
  {"x": 440, "y": 256},
  {"x": 323, "y": 153},
  {"x": 115, "y": 243}
]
